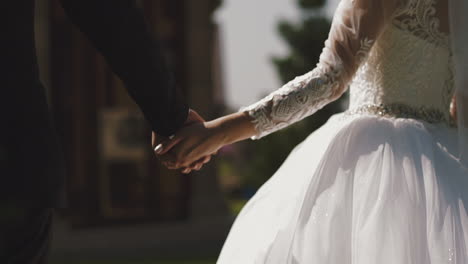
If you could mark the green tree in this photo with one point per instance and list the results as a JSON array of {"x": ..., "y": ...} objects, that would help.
[{"x": 306, "y": 41}]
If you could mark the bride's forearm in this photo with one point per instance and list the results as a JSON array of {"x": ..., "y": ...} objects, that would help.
[{"x": 234, "y": 127}]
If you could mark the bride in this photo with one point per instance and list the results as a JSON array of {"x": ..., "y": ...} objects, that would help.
[{"x": 383, "y": 182}]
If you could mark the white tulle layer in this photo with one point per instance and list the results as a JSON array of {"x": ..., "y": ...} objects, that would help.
[{"x": 360, "y": 190}]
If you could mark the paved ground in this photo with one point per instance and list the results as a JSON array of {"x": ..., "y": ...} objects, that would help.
[
  {"x": 142, "y": 244},
  {"x": 139, "y": 262}
]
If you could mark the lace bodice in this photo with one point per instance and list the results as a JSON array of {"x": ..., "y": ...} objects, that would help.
[{"x": 393, "y": 56}]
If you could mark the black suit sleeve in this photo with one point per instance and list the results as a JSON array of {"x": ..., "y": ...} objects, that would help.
[{"x": 118, "y": 30}]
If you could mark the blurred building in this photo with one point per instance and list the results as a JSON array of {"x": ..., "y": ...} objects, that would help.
[{"x": 114, "y": 178}]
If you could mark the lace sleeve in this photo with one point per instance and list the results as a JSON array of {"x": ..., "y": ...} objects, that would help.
[{"x": 356, "y": 25}]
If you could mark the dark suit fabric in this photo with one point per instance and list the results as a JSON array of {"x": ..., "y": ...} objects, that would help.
[
  {"x": 31, "y": 163},
  {"x": 25, "y": 235}
]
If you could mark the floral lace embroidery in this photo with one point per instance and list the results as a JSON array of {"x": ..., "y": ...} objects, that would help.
[
  {"x": 363, "y": 53},
  {"x": 377, "y": 79},
  {"x": 301, "y": 97},
  {"x": 294, "y": 101},
  {"x": 419, "y": 18},
  {"x": 408, "y": 66},
  {"x": 403, "y": 68}
]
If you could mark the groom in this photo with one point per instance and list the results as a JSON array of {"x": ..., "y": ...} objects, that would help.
[{"x": 31, "y": 164}]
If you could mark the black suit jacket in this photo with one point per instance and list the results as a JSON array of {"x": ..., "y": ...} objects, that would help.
[{"x": 31, "y": 164}]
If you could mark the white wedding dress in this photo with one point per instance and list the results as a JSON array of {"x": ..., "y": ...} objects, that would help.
[{"x": 381, "y": 182}]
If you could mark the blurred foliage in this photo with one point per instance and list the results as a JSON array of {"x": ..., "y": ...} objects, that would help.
[
  {"x": 307, "y": 4},
  {"x": 306, "y": 41},
  {"x": 236, "y": 205},
  {"x": 216, "y": 4}
]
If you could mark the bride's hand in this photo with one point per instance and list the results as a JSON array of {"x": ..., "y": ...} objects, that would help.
[{"x": 193, "y": 143}]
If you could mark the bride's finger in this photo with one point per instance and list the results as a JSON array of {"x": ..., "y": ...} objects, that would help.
[
  {"x": 204, "y": 160},
  {"x": 207, "y": 159},
  {"x": 169, "y": 165},
  {"x": 198, "y": 166},
  {"x": 169, "y": 161}
]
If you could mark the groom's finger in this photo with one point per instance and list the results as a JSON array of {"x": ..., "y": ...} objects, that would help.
[{"x": 156, "y": 139}]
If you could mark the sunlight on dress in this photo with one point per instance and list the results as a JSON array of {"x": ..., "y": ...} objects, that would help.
[{"x": 381, "y": 182}]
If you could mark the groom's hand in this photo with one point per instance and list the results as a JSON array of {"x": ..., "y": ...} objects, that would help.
[{"x": 192, "y": 118}]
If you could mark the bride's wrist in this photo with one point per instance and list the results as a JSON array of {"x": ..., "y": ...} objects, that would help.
[{"x": 234, "y": 127}]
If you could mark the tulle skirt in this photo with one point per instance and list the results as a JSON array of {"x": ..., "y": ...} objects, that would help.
[{"x": 360, "y": 190}]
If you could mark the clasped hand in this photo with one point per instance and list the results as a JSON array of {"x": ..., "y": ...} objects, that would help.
[{"x": 191, "y": 147}]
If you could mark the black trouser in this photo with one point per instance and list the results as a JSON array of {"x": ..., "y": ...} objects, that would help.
[{"x": 24, "y": 235}]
